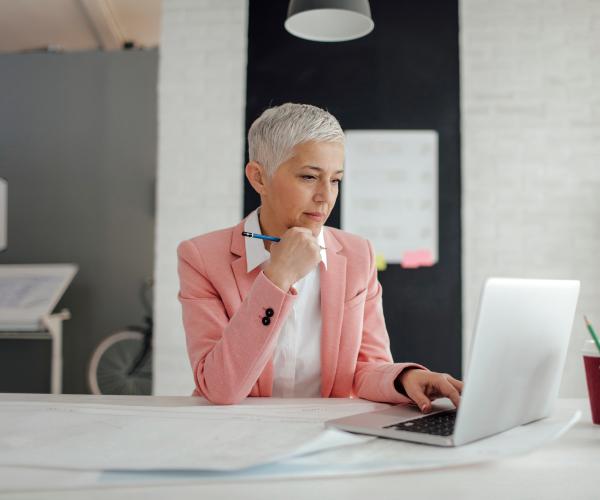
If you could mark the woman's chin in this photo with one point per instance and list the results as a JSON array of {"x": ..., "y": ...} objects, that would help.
[
  {"x": 315, "y": 228},
  {"x": 311, "y": 224}
]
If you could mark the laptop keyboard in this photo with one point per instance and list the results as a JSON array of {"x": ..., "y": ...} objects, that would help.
[{"x": 438, "y": 424}]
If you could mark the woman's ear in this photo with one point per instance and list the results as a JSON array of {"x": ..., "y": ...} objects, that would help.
[{"x": 256, "y": 175}]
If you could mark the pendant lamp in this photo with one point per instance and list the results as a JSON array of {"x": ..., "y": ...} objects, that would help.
[{"x": 329, "y": 20}]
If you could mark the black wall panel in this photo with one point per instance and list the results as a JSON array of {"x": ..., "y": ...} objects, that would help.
[{"x": 404, "y": 75}]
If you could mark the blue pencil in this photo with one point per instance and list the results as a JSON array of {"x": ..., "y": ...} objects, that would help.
[
  {"x": 260, "y": 236},
  {"x": 265, "y": 237}
]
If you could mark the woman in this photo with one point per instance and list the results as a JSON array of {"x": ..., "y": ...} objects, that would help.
[{"x": 301, "y": 317}]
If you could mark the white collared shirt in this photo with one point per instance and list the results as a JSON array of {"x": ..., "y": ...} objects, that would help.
[{"x": 297, "y": 358}]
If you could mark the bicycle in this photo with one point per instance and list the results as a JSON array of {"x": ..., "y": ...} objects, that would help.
[{"x": 122, "y": 362}]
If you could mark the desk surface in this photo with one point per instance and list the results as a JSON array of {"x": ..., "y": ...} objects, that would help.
[{"x": 567, "y": 468}]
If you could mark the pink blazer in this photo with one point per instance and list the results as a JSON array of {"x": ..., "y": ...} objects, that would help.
[{"x": 229, "y": 346}]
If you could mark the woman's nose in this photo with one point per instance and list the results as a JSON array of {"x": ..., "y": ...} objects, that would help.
[{"x": 325, "y": 193}]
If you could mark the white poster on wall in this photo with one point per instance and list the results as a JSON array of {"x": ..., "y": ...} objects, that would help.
[{"x": 390, "y": 194}]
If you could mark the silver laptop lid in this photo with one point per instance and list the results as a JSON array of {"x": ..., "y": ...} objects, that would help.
[{"x": 517, "y": 356}]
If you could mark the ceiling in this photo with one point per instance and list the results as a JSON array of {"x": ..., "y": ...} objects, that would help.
[{"x": 72, "y": 25}]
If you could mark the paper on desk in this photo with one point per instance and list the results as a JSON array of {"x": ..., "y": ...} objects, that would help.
[
  {"x": 217, "y": 438},
  {"x": 370, "y": 457},
  {"x": 27, "y": 479},
  {"x": 378, "y": 456},
  {"x": 385, "y": 455}
]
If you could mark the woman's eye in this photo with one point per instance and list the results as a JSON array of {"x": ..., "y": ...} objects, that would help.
[{"x": 312, "y": 177}]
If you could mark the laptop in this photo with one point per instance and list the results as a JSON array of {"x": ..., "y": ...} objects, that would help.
[{"x": 517, "y": 357}]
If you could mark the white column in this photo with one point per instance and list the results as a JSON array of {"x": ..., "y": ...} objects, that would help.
[
  {"x": 201, "y": 92},
  {"x": 530, "y": 84}
]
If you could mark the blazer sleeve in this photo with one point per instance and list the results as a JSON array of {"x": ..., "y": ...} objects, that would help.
[
  {"x": 375, "y": 370},
  {"x": 227, "y": 354}
]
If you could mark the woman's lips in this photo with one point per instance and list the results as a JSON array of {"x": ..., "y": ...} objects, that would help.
[{"x": 316, "y": 216}]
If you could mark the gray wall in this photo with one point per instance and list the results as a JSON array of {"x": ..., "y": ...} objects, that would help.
[{"x": 78, "y": 148}]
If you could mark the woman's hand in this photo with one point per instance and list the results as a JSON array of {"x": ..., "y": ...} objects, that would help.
[
  {"x": 423, "y": 387},
  {"x": 293, "y": 257}
]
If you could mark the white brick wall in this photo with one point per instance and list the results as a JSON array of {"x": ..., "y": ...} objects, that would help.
[
  {"x": 530, "y": 78},
  {"x": 202, "y": 78}
]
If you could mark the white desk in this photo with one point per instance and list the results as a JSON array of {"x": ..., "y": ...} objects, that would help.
[{"x": 566, "y": 469}]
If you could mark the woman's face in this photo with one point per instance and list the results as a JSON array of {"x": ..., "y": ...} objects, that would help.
[{"x": 303, "y": 190}]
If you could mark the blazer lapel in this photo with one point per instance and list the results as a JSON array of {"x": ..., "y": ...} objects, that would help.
[
  {"x": 244, "y": 281},
  {"x": 333, "y": 287},
  {"x": 243, "y": 278}
]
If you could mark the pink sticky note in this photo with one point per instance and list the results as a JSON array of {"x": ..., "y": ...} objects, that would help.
[{"x": 412, "y": 259}]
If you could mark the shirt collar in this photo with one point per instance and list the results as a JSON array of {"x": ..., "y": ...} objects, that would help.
[{"x": 256, "y": 253}]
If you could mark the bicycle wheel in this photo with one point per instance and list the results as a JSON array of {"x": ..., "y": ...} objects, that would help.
[{"x": 112, "y": 361}]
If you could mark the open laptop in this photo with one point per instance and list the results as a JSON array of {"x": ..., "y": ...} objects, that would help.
[{"x": 517, "y": 358}]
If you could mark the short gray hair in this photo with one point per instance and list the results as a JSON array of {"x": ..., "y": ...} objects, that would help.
[{"x": 276, "y": 132}]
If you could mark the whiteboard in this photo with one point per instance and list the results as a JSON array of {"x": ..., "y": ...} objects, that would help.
[{"x": 390, "y": 194}]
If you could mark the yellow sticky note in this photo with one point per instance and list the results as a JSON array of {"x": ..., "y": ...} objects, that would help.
[{"x": 380, "y": 262}]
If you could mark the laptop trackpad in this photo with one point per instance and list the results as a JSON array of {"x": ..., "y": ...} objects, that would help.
[{"x": 411, "y": 411}]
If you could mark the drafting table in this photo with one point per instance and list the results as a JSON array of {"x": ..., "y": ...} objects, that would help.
[{"x": 28, "y": 295}]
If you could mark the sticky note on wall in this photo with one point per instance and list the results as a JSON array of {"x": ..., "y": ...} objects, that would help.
[
  {"x": 380, "y": 262},
  {"x": 411, "y": 259}
]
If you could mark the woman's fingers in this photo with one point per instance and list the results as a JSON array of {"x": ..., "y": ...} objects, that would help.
[
  {"x": 457, "y": 384},
  {"x": 421, "y": 400},
  {"x": 450, "y": 392},
  {"x": 442, "y": 387},
  {"x": 424, "y": 387}
]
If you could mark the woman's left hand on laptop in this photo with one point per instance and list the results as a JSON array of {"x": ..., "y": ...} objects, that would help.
[{"x": 423, "y": 386}]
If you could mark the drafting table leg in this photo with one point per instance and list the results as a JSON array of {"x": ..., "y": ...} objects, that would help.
[{"x": 54, "y": 325}]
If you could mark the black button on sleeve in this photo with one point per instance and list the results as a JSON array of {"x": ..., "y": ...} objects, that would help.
[
  {"x": 269, "y": 312},
  {"x": 266, "y": 321}
]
